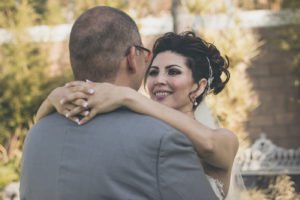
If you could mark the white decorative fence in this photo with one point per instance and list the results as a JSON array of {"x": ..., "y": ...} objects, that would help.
[
  {"x": 158, "y": 25},
  {"x": 265, "y": 158}
]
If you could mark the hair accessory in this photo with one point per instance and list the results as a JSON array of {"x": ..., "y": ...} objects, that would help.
[{"x": 210, "y": 78}]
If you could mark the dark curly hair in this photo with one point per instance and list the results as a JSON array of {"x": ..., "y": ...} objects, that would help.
[{"x": 199, "y": 55}]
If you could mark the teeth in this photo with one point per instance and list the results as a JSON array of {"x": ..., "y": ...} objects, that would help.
[{"x": 161, "y": 94}]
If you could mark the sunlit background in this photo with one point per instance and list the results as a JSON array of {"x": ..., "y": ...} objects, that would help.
[{"x": 261, "y": 103}]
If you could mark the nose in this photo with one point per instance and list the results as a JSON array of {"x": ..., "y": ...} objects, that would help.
[{"x": 161, "y": 79}]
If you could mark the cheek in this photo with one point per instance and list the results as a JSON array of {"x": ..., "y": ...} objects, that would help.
[
  {"x": 183, "y": 88},
  {"x": 180, "y": 84},
  {"x": 149, "y": 84}
]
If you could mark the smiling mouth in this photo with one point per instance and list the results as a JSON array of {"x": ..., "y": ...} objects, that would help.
[{"x": 162, "y": 94}]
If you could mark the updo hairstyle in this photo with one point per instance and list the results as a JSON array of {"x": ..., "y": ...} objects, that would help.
[{"x": 203, "y": 58}]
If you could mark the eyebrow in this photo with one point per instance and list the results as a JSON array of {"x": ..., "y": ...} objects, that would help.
[{"x": 167, "y": 67}]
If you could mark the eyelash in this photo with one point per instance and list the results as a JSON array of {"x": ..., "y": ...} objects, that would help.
[
  {"x": 171, "y": 72},
  {"x": 153, "y": 72}
]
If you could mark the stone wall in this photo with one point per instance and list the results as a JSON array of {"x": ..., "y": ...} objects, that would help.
[{"x": 277, "y": 85}]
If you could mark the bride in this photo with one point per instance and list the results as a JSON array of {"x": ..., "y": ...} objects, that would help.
[{"x": 182, "y": 71}]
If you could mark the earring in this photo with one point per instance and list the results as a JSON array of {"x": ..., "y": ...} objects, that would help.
[{"x": 195, "y": 103}]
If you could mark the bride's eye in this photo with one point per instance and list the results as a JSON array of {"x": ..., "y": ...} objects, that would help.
[
  {"x": 173, "y": 72},
  {"x": 153, "y": 72}
]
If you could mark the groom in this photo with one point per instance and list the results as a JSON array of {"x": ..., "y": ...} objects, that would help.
[{"x": 120, "y": 155}]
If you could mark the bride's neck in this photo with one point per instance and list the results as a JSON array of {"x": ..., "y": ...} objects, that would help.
[
  {"x": 187, "y": 111},
  {"x": 190, "y": 114}
]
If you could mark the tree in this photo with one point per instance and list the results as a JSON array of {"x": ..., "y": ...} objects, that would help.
[
  {"x": 24, "y": 81},
  {"x": 175, "y": 13},
  {"x": 233, "y": 105}
]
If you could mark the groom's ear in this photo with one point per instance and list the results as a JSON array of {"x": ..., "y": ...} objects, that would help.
[{"x": 131, "y": 60}]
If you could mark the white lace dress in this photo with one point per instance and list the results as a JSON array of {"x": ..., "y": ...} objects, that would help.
[{"x": 217, "y": 186}]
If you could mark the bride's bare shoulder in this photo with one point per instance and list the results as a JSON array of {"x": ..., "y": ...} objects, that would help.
[{"x": 231, "y": 136}]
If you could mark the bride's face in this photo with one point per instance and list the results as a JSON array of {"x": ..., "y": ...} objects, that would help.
[{"x": 170, "y": 81}]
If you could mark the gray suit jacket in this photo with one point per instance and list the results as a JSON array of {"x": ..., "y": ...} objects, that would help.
[{"x": 117, "y": 156}]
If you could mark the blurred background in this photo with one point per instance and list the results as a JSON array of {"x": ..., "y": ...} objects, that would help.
[{"x": 261, "y": 103}]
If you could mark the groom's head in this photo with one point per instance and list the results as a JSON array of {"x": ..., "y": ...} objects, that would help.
[{"x": 102, "y": 48}]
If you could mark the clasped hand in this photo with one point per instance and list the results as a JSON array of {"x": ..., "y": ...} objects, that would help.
[{"x": 80, "y": 101}]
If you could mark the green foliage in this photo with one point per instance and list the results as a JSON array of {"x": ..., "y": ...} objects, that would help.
[
  {"x": 280, "y": 188},
  {"x": 233, "y": 105},
  {"x": 21, "y": 67},
  {"x": 82, "y": 5},
  {"x": 25, "y": 79},
  {"x": 236, "y": 102},
  {"x": 48, "y": 11},
  {"x": 204, "y": 6},
  {"x": 24, "y": 82},
  {"x": 135, "y": 8},
  {"x": 54, "y": 12},
  {"x": 9, "y": 171}
]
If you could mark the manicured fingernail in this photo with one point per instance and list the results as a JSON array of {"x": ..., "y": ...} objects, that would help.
[
  {"x": 62, "y": 101},
  {"x": 77, "y": 121},
  {"x": 91, "y": 91},
  {"x": 86, "y": 113},
  {"x": 85, "y": 104},
  {"x": 88, "y": 81},
  {"x": 67, "y": 115}
]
